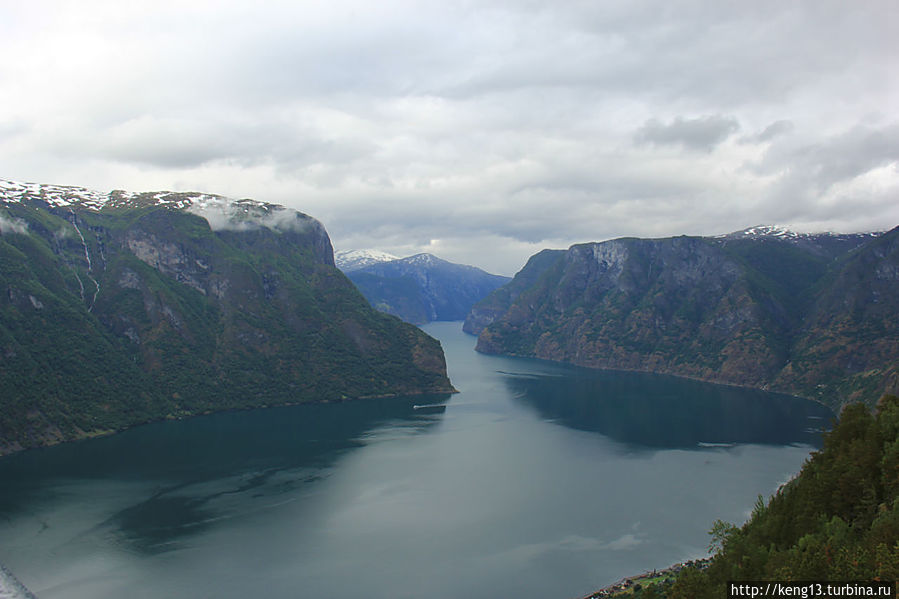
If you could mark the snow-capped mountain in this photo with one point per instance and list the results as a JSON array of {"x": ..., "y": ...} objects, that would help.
[{"x": 350, "y": 260}]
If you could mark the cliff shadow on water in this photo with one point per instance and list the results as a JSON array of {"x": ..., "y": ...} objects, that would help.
[
  {"x": 192, "y": 475},
  {"x": 658, "y": 411}
]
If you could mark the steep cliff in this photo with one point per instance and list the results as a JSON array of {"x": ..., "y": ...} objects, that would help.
[
  {"x": 121, "y": 308},
  {"x": 801, "y": 314},
  {"x": 496, "y": 303}
]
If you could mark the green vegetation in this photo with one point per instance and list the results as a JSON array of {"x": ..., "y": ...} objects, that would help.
[
  {"x": 400, "y": 296},
  {"x": 815, "y": 317},
  {"x": 838, "y": 520},
  {"x": 187, "y": 320},
  {"x": 784, "y": 271}
]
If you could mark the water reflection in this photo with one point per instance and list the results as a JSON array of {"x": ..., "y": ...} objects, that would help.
[
  {"x": 153, "y": 525},
  {"x": 199, "y": 469},
  {"x": 379, "y": 499},
  {"x": 669, "y": 412}
]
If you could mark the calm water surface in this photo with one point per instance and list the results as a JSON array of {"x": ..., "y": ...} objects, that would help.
[{"x": 537, "y": 481}]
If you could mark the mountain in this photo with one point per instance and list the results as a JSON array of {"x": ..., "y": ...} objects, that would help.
[
  {"x": 848, "y": 343},
  {"x": 119, "y": 308},
  {"x": 350, "y": 260},
  {"x": 423, "y": 287},
  {"x": 812, "y": 315},
  {"x": 498, "y": 302}
]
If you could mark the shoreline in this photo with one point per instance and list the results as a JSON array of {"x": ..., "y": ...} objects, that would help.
[
  {"x": 12, "y": 450},
  {"x": 700, "y": 379},
  {"x": 623, "y": 585}
]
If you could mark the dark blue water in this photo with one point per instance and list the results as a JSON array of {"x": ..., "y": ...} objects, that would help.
[{"x": 537, "y": 480}]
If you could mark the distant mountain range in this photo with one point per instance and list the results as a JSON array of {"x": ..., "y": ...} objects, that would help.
[
  {"x": 420, "y": 288},
  {"x": 815, "y": 315},
  {"x": 119, "y": 308}
]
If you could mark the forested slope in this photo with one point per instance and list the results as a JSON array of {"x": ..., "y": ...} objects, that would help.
[
  {"x": 838, "y": 520},
  {"x": 120, "y": 308}
]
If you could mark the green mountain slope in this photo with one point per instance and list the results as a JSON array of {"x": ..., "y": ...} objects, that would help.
[
  {"x": 809, "y": 315},
  {"x": 848, "y": 343},
  {"x": 496, "y": 303},
  {"x": 124, "y": 308}
]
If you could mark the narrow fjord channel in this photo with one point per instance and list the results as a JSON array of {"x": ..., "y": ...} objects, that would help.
[{"x": 537, "y": 481}]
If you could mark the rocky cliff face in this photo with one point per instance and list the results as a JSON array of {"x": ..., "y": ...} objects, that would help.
[
  {"x": 122, "y": 308},
  {"x": 805, "y": 315},
  {"x": 498, "y": 302},
  {"x": 423, "y": 288}
]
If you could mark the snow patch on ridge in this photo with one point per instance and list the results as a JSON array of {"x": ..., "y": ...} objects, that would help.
[
  {"x": 55, "y": 195},
  {"x": 350, "y": 260},
  {"x": 220, "y": 212},
  {"x": 423, "y": 260},
  {"x": 770, "y": 231},
  {"x": 783, "y": 232}
]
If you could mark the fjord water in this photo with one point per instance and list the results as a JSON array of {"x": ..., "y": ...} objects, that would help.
[{"x": 537, "y": 480}]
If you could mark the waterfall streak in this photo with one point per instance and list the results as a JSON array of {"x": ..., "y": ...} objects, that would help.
[{"x": 87, "y": 257}]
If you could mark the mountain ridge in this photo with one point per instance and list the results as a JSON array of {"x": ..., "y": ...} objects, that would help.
[
  {"x": 727, "y": 309},
  {"x": 119, "y": 308},
  {"x": 785, "y": 232},
  {"x": 422, "y": 288}
]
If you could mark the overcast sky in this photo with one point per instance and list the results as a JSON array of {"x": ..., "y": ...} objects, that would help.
[{"x": 479, "y": 131}]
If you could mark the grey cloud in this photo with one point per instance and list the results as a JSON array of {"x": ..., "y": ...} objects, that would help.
[
  {"x": 775, "y": 129},
  {"x": 165, "y": 145},
  {"x": 244, "y": 215},
  {"x": 190, "y": 143},
  {"x": 702, "y": 133},
  {"x": 838, "y": 158},
  {"x": 705, "y": 53},
  {"x": 835, "y": 183},
  {"x": 13, "y": 127},
  {"x": 582, "y": 204}
]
